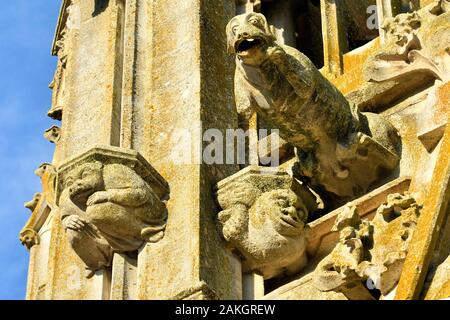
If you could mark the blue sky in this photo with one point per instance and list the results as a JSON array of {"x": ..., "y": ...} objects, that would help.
[{"x": 26, "y": 33}]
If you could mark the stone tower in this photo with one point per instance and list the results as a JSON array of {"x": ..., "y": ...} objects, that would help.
[{"x": 138, "y": 202}]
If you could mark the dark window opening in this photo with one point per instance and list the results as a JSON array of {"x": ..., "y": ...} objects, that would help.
[
  {"x": 358, "y": 20},
  {"x": 298, "y": 24}
]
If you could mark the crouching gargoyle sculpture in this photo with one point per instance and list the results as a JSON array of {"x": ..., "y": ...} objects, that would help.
[
  {"x": 341, "y": 150},
  {"x": 107, "y": 207},
  {"x": 264, "y": 221}
]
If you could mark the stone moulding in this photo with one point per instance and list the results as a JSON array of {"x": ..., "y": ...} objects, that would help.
[
  {"x": 61, "y": 24},
  {"x": 263, "y": 220},
  {"x": 269, "y": 177},
  {"x": 412, "y": 60},
  {"x": 40, "y": 206},
  {"x": 60, "y": 48},
  {"x": 322, "y": 240},
  {"x": 327, "y": 129},
  {"x": 414, "y": 57},
  {"x": 201, "y": 291}
]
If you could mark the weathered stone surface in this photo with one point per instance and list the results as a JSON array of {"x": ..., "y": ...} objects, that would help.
[
  {"x": 323, "y": 239},
  {"x": 92, "y": 75},
  {"x": 39, "y": 205},
  {"x": 124, "y": 277},
  {"x": 334, "y": 140},
  {"x": 58, "y": 84},
  {"x": 264, "y": 220},
  {"x": 414, "y": 56},
  {"x": 132, "y": 74},
  {"x": 440, "y": 286},
  {"x": 373, "y": 250},
  {"x": 184, "y": 82},
  {"x": 106, "y": 206},
  {"x": 36, "y": 235}
]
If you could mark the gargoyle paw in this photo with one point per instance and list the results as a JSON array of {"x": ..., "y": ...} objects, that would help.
[
  {"x": 74, "y": 222},
  {"x": 98, "y": 197}
]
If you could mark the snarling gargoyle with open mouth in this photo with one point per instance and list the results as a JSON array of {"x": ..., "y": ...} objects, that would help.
[{"x": 341, "y": 151}]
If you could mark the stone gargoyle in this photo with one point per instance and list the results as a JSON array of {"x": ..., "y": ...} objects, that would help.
[
  {"x": 374, "y": 250},
  {"x": 341, "y": 150},
  {"x": 417, "y": 45},
  {"x": 106, "y": 208},
  {"x": 41, "y": 201},
  {"x": 264, "y": 221}
]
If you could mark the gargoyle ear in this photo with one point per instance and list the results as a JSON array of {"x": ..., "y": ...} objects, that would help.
[
  {"x": 230, "y": 38},
  {"x": 272, "y": 32}
]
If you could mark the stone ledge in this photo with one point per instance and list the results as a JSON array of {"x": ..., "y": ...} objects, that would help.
[{"x": 109, "y": 155}]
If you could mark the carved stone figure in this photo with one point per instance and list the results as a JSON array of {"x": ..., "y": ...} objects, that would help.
[
  {"x": 59, "y": 79},
  {"x": 265, "y": 221},
  {"x": 53, "y": 134},
  {"x": 411, "y": 48},
  {"x": 29, "y": 234},
  {"x": 373, "y": 250},
  {"x": 341, "y": 150},
  {"x": 109, "y": 208}
]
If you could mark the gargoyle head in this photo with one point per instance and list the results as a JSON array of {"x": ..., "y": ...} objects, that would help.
[
  {"x": 29, "y": 237},
  {"x": 45, "y": 168},
  {"x": 402, "y": 30},
  {"x": 282, "y": 209},
  {"x": 53, "y": 134},
  {"x": 249, "y": 34},
  {"x": 266, "y": 226},
  {"x": 83, "y": 181}
]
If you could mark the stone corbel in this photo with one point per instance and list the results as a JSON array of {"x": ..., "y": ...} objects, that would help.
[
  {"x": 111, "y": 200},
  {"x": 440, "y": 6},
  {"x": 263, "y": 220}
]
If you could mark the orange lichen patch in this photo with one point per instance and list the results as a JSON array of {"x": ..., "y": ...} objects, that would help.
[
  {"x": 354, "y": 60},
  {"x": 424, "y": 3},
  {"x": 353, "y": 63},
  {"x": 443, "y": 95},
  {"x": 427, "y": 232}
]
